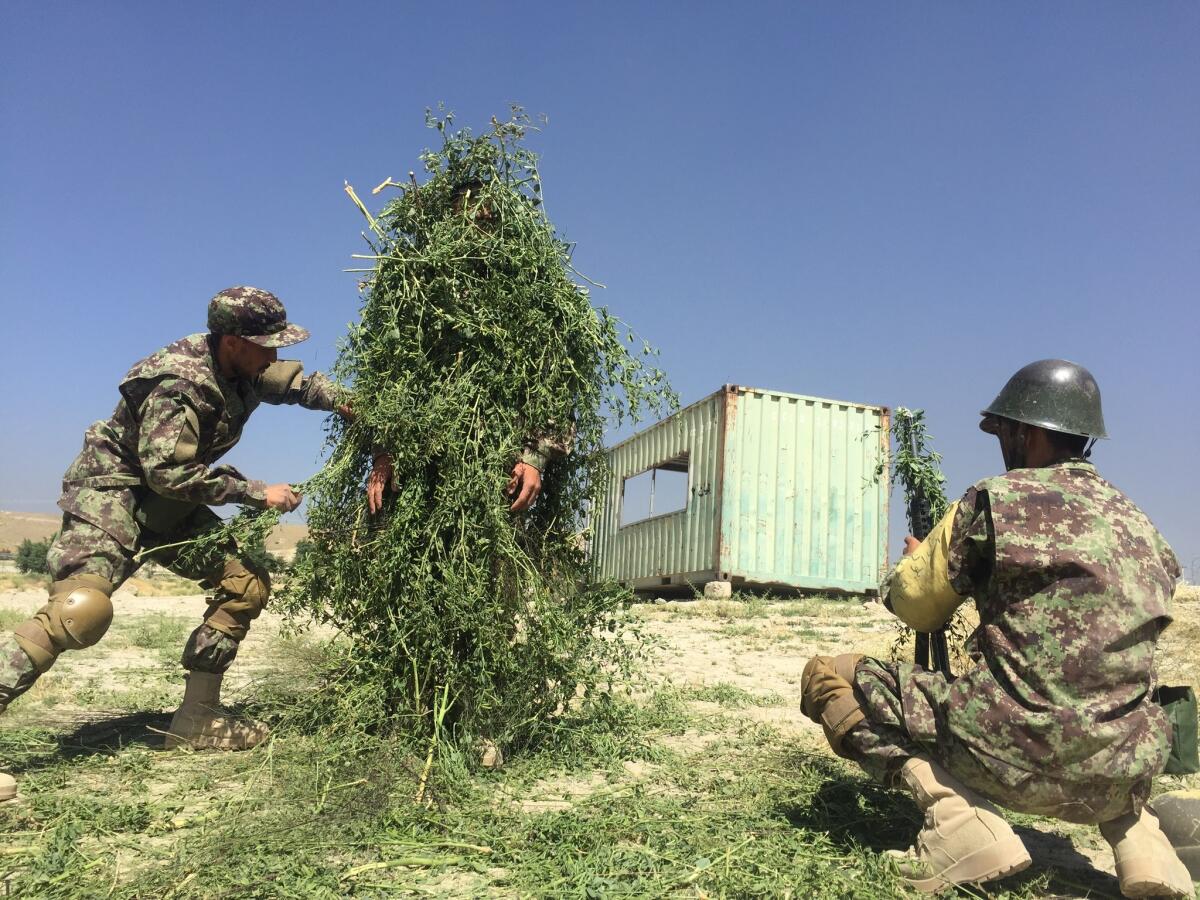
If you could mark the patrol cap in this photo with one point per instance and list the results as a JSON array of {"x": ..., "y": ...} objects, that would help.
[
  {"x": 255, "y": 315},
  {"x": 1055, "y": 394}
]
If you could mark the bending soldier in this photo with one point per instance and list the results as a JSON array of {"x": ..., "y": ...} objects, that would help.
[
  {"x": 1073, "y": 586},
  {"x": 144, "y": 480}
]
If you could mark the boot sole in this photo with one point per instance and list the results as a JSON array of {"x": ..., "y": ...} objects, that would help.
[
  {"x": 1147, "y": 880},
  {"x": 207, "y": 745},
  {"x": 1153, "y": 888},
  {"x": 183, "y": 744},
  {"x": 998, "y": 860}
]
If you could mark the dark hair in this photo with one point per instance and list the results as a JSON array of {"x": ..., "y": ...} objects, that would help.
[{"x": 474, "y": 185}]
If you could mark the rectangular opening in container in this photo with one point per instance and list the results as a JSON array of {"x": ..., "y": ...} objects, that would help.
[{"x": 658, "y": 491}]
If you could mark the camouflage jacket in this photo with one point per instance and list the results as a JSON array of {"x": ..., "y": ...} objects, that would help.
[
  {"x": 1073, "y": 586},
  {"x": 177, "y": 416},
  {"x": 548, "y": 444}
]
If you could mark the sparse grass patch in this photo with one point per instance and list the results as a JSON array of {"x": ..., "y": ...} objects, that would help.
[
  {"x": 158, "y": 631},
  {"x": 10, "y": 618},
  {"x": 738, "y": 631},
  {"x": 732, "y": 696},
  {"x": 136, "y": 691},
  {"x": 821, "y": 606},
  {"x": 738, "y": 607},
  {"x": 18, "y": 581}
]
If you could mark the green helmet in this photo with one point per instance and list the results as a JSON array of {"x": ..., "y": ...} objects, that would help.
[{"x": 1053, "y": 394}]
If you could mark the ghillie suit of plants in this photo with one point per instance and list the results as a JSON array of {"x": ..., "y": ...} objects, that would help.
[{"x": 474, "y": 338}]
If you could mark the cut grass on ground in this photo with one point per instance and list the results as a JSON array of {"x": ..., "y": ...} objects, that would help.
[{"x": 672, "y": 792}]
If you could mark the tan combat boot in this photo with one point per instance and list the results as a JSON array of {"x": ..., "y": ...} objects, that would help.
[
  {"x": 1147, "y": 865},
  {"x": 8, "y": 787},
  {"x": 201, "y": 724},
  {"x": 964, "y": 839}
]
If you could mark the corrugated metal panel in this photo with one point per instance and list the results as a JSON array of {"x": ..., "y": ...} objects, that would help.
[
  {"x": 801, "y": 506},
  {"x": 675, "y": 544},
  {"x": 781, "y": 491}
]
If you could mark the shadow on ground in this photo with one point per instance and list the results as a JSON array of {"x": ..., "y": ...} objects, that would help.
[
  {"x": 858, "y": 814},
  {"x": 97, "y": 734},
  {"x": 30, "y": 749}
]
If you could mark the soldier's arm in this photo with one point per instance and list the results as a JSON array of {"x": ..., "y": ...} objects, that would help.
[
  {"x": 546, "y": 445},
  {"x": 284, "y": 382},
  {"x": 167, "y": 446},
  {"x": 951, "y": 564}
]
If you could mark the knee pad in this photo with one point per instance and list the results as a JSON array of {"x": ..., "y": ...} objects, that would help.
[
  {"x": 827, "y": 696},
  {"x": 240, "y": 595},
  {"x": 77, "y": 615}
]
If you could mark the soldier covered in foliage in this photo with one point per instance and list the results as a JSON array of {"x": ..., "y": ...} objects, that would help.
[
  {"x": 1073, "y": 585},
  {"x": 476, "y": 360},
  {"x": 140, "y": 489}
]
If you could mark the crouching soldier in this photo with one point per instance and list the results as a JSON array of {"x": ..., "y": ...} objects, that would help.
[
  {"x": 144, "y": 480},
  {"x": 1073, "y": 585}
]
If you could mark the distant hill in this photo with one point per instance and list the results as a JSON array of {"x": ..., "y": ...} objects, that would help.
[{"x": 19, "y": 526}]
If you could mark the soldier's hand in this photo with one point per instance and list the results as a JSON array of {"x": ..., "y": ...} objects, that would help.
[
  {"x": 378, "y": 481},
  {"x": 346, "y": 412},
  {"x": 525, "y": 485},
  {"x": 910, "y": 544},
  {"x": 282, "y": 497}
]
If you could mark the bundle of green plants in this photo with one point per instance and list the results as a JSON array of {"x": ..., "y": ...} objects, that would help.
[
  {"x": 916, "y": 467},
  {"x": 475, "y": 337}
]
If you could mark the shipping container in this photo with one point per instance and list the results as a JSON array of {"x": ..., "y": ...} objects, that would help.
[{"x": 759, "y": 488}]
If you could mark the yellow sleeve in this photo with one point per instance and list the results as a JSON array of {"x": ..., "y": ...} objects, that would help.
[{"x": 920, "y": 591}]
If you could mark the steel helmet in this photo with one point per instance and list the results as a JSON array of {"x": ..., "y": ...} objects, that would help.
[{"x": 1053, "y": 394}]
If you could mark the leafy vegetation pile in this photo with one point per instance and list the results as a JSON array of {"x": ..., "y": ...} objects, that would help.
[{"x": 474, "y": 338}]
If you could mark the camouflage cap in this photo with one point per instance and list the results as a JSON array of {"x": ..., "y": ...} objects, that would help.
[{"x": 255, "y": 315}]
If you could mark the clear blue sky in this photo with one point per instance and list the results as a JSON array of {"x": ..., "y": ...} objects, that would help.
[{"x": 881, "y": 202}]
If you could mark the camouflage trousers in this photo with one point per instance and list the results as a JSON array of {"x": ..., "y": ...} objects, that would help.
[
  {"x": 883, "y": 741},
  {"x": 83, "y": 549}
]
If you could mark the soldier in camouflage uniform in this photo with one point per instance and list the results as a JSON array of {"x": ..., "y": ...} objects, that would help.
[
  {"x": 1073, "y": 586},
  {"x": 144, "y": 480},
  {"x": 525, "y": 479}
]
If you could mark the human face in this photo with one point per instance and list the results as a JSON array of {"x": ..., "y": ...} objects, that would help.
[
  {"x": 244, "y": 359},
  {"x": 1013, "y": 438},
  {"x": 477, "y": 208}
]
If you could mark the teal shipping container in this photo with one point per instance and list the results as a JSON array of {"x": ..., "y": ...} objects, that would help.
[{"x": 755, "y": 487}]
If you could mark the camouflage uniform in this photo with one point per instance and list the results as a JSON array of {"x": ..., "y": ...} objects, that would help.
[
  {"x": 1073, "y": 586},
  {"x": 540, "y": 449},
  {"x": 145, "y": 476}
]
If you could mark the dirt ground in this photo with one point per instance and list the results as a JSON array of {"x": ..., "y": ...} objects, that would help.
[{"x": 736, "y": 662}]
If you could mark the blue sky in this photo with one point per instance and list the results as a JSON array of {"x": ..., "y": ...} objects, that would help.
[{"x": 890, "y": 203}]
